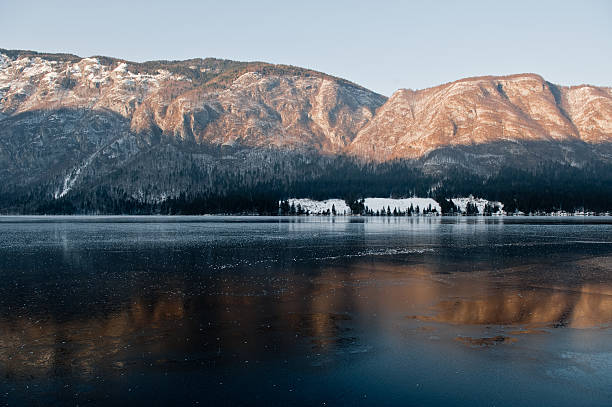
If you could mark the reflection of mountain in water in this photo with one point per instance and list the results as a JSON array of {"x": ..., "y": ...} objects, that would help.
[
  {"x": 220, "y": 321},
  {"x": 586, "y": 307}
]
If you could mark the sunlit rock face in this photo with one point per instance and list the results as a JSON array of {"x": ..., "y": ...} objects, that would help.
[
  {"x": 262, "y": 105},
  {"x": 485, "y": 110},
  {"x": 589, "y": 306},
  {"x": 213, "y": 101}
]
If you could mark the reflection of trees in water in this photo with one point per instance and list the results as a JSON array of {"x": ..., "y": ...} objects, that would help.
[
  {"x": 227, "y": 324},
  {"x": 46, "y": 346},
  {"x": 234, "y": 317}
]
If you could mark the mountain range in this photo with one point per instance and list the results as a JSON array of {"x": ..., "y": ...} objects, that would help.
[{"x": 77, "y": 133}]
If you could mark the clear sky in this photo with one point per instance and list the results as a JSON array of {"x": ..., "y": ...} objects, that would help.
[{"x": 382, "y": 45}]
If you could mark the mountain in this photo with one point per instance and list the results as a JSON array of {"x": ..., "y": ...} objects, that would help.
[
  {"x": 515, "y": 119},
  {"x": 67, "y": 120},
  {"x": 86, "y": 131},
  {"x": 485, "y": 110},
  {"x": 202, "y": 100}
]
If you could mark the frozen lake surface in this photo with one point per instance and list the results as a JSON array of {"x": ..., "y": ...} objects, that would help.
[{"x": 305, "y": 311}]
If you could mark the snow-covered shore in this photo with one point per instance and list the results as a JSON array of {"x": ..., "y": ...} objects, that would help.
[
  {"x": 321, "y": 207},
  {"x": 426, "y": 206},
  {"x": 380, "y": 205},
  {"x": 403, "y": 204},
  {"x": 480, "y": 203}
]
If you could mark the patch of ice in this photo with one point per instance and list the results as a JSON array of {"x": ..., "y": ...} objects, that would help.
[{"x": 380, "y": 252}]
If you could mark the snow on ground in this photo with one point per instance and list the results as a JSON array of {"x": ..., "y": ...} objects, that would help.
[
  {"x": 377, "y": 204},
  {"x": 318, "y": 207},
  {"x": 480, "y": 203},
  {"x": 4, "y": 61},
  {"x": 72, "y": 177},
  {"x": 380, "y": 204},
  {"x": 41, "y": 67}
]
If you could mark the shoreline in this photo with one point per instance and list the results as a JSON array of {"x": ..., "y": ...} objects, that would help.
[{"x": 318, "y": 216}]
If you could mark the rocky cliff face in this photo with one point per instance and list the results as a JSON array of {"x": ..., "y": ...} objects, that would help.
[
  {"x": 146, "y": 128},
  {"x": 256, "y": 104},
  {"x": 482, "y": 111},
  {"x": 211, "y": 101}
]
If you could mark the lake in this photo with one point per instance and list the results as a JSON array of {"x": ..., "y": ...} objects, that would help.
[{"x": 330, "y": 311}]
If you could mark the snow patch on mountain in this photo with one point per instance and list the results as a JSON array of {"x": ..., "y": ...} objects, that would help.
[
  {"x": 4, "y": 61},
  {"x": 73, "y": 176}
]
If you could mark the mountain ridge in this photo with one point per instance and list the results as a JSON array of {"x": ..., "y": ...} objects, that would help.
[
  {"x": 24, "y": 52},
  {"x": 487, "y": 108},
  {"x": 190, "y": 85},
  {"x": 154, "y": 130},
  {"x": 503, "y": 76}
]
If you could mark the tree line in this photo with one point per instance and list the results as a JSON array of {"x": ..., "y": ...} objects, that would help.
[{"x": 548, "y": 187}]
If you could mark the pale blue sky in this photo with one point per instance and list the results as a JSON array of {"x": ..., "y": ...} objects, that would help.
[{"x": 382, "y": 45}]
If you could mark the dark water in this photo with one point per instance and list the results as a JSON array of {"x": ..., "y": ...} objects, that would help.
[{"x": 306, "y": 311}]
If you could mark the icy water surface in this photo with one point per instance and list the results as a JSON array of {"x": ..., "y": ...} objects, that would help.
[{"x": 305, "y": 311}]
